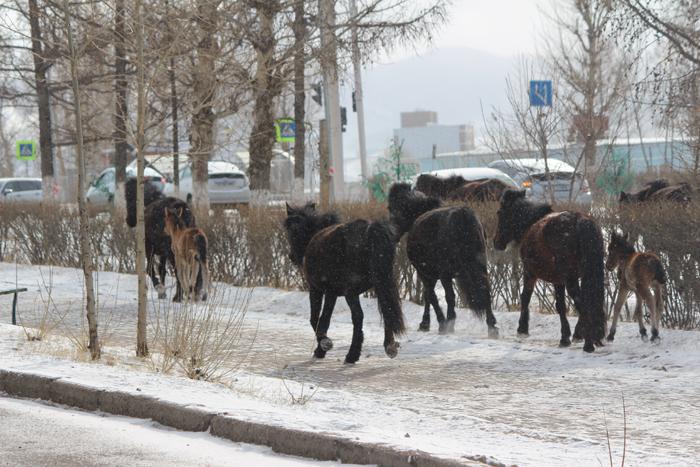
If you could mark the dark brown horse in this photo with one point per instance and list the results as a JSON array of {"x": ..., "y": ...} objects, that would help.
[
  {"x": 559, "y": 248},
  {"x": 659, "y": 191},
  {"x": 444, "y": 243},
  {"x": 480, "y": 191},
  {"x": 436, "y": 187},
  {"x": 345, "y": 259},
  {"x": 639, "y": 273}
]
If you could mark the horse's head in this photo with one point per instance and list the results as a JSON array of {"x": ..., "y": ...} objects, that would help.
[
  {"x": 618, "y": 248},
  {"x": 508, "y": 218},
  {"x": 406, "y": 204},
  {"x": 626, "y": 198},
  {"x": 172, "y": 220},
  {"x": 301, "y": 224}
]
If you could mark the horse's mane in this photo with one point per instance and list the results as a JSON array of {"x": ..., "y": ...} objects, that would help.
[
  {"x": 150, "y": 194},
  {"x": 305, "y": 222},
  {"x": 527, "y": 212},
  {"x": 410, "y": 204}
]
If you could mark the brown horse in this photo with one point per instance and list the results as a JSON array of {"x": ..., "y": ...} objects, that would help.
[
  {"x": 559, "y": 248},
  {"x": 440, "y": 188},
  {"x": 189, "y": 245},
  {"x": 639, "y": 273},
  {"x": 345, "y": 259},
  {"x": 659, "y": 191},
  {"x": 480, "y": 191}
]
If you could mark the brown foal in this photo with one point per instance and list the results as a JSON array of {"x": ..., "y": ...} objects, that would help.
[{"x": 189, "y": 245}]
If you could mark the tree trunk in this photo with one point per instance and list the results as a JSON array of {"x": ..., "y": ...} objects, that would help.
[
  {"x": 121, "y": 111},
  {"x": 325, "y": 190},
  {"x": 41, "y": 66},
  {"x": 299, "y": 97},
  {"x": 203, "y": 115},
  {"x": 262, "y": 137},
  {"x": 141, "y": 330},
  {"x": 85, "y": 253}
]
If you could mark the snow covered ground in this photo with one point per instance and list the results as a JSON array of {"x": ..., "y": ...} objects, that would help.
[{"x": 515, "y": 401}]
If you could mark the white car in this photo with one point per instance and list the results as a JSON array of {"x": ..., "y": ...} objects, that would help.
[
  {"x": 531, "y": 175},
  {"x": 227, "y": 185},
  {"x": 20, "y": 190},
  {"x": 474, "y": 173},
  {"x": 101, "y": 192}
]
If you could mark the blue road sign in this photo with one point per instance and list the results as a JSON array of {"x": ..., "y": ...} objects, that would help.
[
  {"x": 26, "y": 150},
  {"x": 541, "y": 93},
  {"x": 286, "y": 130}
]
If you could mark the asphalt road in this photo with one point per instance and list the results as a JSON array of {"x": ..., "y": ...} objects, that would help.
[{"x": 36, "y": 434}]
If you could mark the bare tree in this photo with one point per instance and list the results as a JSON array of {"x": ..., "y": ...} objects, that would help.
[
  {"x": 85, "y": 253},
  {"x": 121, "y": 84}
]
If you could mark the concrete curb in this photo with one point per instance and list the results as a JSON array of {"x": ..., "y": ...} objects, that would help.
[{"x": 322, "y": 446}]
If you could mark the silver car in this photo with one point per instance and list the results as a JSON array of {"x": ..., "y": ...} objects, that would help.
[
  {"x": 557, "y": 181},
  {"x": 20, "y": 190},
  {"x": 101, "y": 192},
  {"x": 227, "y": 185}
]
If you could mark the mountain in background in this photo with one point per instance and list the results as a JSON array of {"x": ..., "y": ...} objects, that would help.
[{"x": 454, "y": 82}]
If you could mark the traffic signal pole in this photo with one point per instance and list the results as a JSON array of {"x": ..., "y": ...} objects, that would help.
[{"x": 359, "y": 104}]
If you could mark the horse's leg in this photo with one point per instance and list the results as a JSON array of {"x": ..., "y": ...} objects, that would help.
[
  {"x": 638, "y": 313},
  {"x": 357, "y": 335},
  {"x": 324, "y": 343},
  {"x": 619, "y": 302},
  {"x": 560, "y": 298},
  {"x": 449, "y": 326},
  {"x": 428, "y": 290},
  {"x": 150, "y": 267},
  {"x": 178, "y": 283},
  {"x": 528, "y": 286},
  {"x": 651, "y": 303},
  {"x": 574, "y": 290},
  {"x": 162, "y": 265}
]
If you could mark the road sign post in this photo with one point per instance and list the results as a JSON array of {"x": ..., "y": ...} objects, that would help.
[
  {"x": 540, "y": 93},
  {"x": 26, "y": 150}
]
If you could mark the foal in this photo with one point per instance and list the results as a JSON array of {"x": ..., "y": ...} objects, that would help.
[
  {"x": 189, "y": 246},
  {"x": 638, "y": 273}
]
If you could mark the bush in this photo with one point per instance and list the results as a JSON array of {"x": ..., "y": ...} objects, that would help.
[{"x": 251, "y": 249}]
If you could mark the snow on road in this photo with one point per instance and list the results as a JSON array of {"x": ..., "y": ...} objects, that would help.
[
  {"x": 518, "y": 401},
  {"x": 40, "y": 434}
]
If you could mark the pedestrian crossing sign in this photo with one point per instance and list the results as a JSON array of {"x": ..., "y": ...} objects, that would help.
[{"x": 26, "y": 150}]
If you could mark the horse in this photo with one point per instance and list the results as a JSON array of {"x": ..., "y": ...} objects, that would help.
[
  {"x": 444, "y": 243},
  {"x": 559, "y": 248},
  {"x": 480, "y": 191},
  {"x": 189, "y": 247},
  {"x": 659, "y": 191},
  {"x": 639, "y": 273},
  {"x": 345, "y": 259},
  {"x": 157, "y": 241},
  {"x": 436, "y": 187}
]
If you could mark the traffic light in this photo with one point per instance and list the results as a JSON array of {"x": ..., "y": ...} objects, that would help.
[
  {"x": 317, "y": 94},
  {"x": 343, "y": 118}
]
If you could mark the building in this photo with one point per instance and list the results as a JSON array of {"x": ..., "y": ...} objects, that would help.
[{"x": 421, "y": 136}]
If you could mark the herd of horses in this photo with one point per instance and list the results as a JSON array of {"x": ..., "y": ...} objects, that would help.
[{"x": 445, "y": 241}]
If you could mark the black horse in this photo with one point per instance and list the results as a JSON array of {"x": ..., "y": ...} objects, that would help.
[
  {"x": 659, "y": 191},
  {"x": 157, "y": 240},
  {"x": 345, "y": 259},
  {"x": 444, "y": 243},
  {"x": 559, "y": 248},
  {"x": 441, "y": 188}
]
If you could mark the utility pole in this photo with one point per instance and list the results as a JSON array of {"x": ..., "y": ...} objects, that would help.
[
  {"x": 332, "y": 94},
  {"x": 359, "y": 104}
]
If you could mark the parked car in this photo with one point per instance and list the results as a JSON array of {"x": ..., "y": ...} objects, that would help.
[
  {"x": 228, "y": 185},
  {"x": 475, "y": 173},
  {"x": 101, "y": 192},
  {"x": 20, "y": 190},
  {"x": 557, "y": 186}
]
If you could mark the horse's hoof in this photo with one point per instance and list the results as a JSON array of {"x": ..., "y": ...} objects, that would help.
[
  {"x": 450, "y": 325},
  {"x": 177, "y": 299},
  {"x": 204, "y": 297},
  {"x": 655, "y": 336},
  {"x": 442, "y": 328},
  {"x": 351, "y": 360},
  {"x": 523, "y": 334},
  {"x": 392, "y": 350},
  {"x": 564, "y": 342},
  {"x": 424, "y": 327},
  {"x": 611, "y": 337},
  {"x": 588, "y": 347},
  {"x": 493, "y": 333},
  {"x": 326, "y": 344},
  {"x": 319, "y": 353},
  {"x": 644, "y": 337}
]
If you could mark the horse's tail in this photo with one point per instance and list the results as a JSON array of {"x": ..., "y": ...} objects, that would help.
[
  {"x": 382, "y": 246},
  {"x": 467, "y": 234},
  {"x": 591, "y": 254},
  {"x": 150, "y": 194},
  {"x": 202, "y": 279},
  {"x": 659, "y": 272}
]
